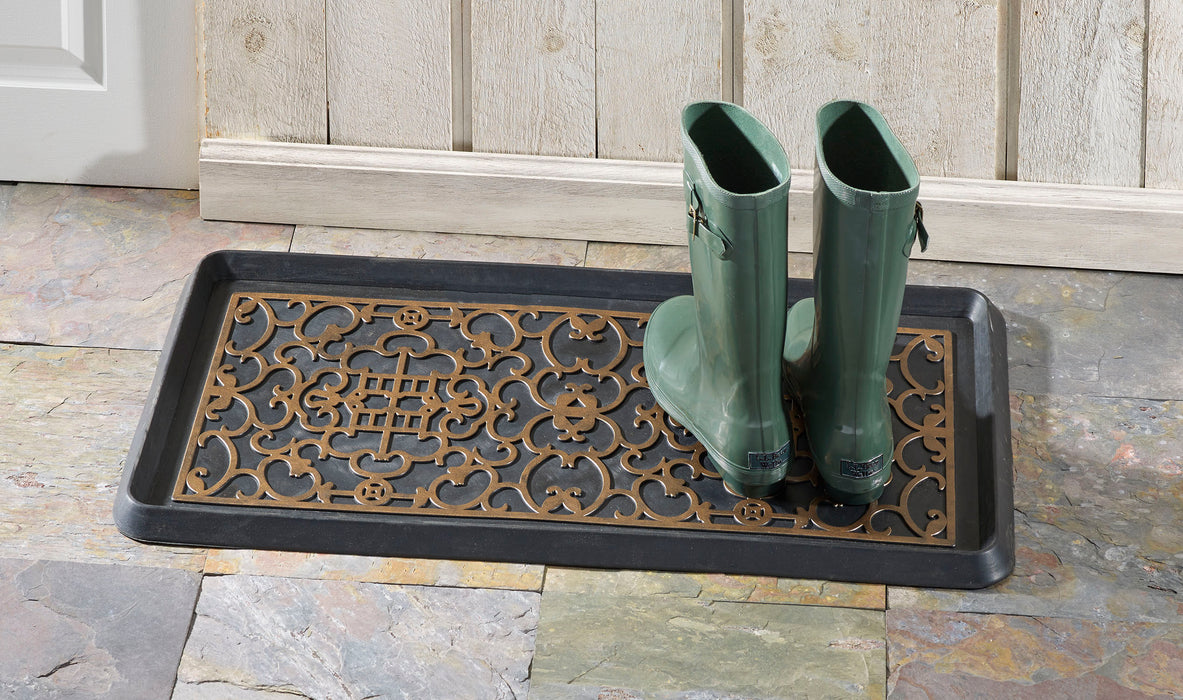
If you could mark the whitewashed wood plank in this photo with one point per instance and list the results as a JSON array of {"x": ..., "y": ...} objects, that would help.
[
  {"x": 264, "y": 66},
  {"x": 1081, "y": 97},
  {"x": 652, "y": 59},
  {"x": 1164, "y": 95},
  {"x": 533, "y": 77},
  {"x": 990, "y": 221},
  {"x": 556, "y": 197},
  {"x": 931, "y": 67},
  {"x": 390, "y": 72}
]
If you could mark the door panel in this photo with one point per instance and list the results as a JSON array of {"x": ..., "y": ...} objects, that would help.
[{"x": 98, "y": 92}]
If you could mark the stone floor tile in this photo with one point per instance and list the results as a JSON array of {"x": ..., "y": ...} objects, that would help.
[
  {"x": 717, "y": 587},
  {"x": 7, "y": 189},
  {"x": 73, "y": 630},
  {"x": 951, "y": 655},
  {"x": 104, "y": 266},
  {"x": 603, "y": 645},
  {"x": 1098, "y": 492},
  {"x": 668, "y": 258},
  {"x": 339, "y": 567},
  {"x": 255, "y": 636},
  {"x": 635, "y": 256},
  {"x": 67, "y": 418},
  {"x": 1075, "y": 332},
  {"x": 1060, "y": 573},
  {"x": 437, "y": 246}
]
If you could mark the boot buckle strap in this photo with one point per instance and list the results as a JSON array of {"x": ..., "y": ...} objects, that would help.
[
  {"x": 918, "y": 230},
  {"x": 715, "y": 240}
]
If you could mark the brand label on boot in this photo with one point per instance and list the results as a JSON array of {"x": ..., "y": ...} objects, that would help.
[
  {"x": 765, "y": 461},
  {"x": 861, "y": 470}
]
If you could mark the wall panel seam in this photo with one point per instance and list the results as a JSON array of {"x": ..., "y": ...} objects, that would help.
[
  {"x": 1012, "y": 77},
  {"x": 324, "y": 8},
  {"x": 1145, "y": 87},
  {"x": 461, "y": 46}
]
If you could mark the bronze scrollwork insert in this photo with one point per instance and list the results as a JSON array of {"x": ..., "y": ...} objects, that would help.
[{"x": 502, "y": 411}]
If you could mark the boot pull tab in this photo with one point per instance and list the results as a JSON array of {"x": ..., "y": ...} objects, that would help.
[
  {"x": 918, "y": 221},
  {"x": 715, "y": 241}
]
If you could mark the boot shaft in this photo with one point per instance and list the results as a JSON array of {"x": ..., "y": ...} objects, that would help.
[
  {"x": 864, "y": 226},
  {"x": 736, "y": 189}
]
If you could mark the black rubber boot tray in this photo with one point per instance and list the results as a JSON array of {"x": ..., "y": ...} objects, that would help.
[{"x": 500, "y": 412}]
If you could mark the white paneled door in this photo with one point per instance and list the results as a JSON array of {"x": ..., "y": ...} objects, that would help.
[{"x": 101, "y": 92}]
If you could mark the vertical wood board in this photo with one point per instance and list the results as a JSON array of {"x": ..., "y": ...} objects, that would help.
[
  {"x": 390, "y": 73},
  {"x": 1164, "y": 95},
  {"x": 931, "y": 67},
  {"x": 1081, "y": 91},
  {"x": 265, "y": 70},
  {"x": 651, "y": 60},
  {"x": 533, "y": 77}
]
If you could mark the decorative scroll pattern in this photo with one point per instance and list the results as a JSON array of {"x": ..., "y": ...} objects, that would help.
[{"x": 500, "y": 411}]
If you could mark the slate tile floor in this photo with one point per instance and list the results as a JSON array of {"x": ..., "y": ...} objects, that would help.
[{"x": 88, "y": 279}]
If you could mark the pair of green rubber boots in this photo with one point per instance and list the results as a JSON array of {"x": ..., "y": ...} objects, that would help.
[{"x": 718, "y": 361}]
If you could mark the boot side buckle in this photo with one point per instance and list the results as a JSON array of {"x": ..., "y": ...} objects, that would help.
[
  {"x": 715, "y": 241},
  {"x": 920, "y": 230}
]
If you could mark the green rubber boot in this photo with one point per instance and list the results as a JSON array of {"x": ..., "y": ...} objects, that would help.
[
  {"x": 838, "y": 343},
  {"x": 713, "y": 360}
]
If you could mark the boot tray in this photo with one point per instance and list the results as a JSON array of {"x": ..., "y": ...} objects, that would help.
[{"x": 500, "y": 412}]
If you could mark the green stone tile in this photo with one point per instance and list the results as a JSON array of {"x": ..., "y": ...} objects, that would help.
[
  {"x": 716, "y": 587},
  {"x": 602, "y": 645},
  {"x": 67, "y": 417},
  {"x": 952, "y": 655},
  {"x": 437, "y": 246},
  {"x": 104, "y": 266}
]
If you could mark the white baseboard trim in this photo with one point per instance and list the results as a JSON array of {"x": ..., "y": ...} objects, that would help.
[{"x": 990, "y": 221}]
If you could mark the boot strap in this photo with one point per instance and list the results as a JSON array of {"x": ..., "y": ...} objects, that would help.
[
  {"x": 918, "y": 229},
  {"x": 716, "y": 241}
]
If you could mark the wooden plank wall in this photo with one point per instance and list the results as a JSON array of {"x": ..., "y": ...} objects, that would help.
[
  {"x": 389, "y": 79},
  {"x": 928, "y": 65},
  {"x": 264, "y": 70},
  {"x": 1081, "y": 91},
  {"x": 533, "y": 77},
  {"x": 1063, "y": 91}
]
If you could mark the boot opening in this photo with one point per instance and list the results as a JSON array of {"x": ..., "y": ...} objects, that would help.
[
  {"x": 857, "y": 152},
  {"x": 731, "y": 158}
]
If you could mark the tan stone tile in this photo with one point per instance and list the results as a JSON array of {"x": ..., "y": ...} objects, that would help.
[
  {"x": 716, "y": 587},
  {"x": 426, "y": 572},
  {"x": 437, "y": 246},
  {"x": 938, "y": 654},
  {"x": 67, "y": 418},
  {"x": 668, "y": 258},
  {"x": 633, "y": 256},
  {"x": 104, "y": 266}
]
